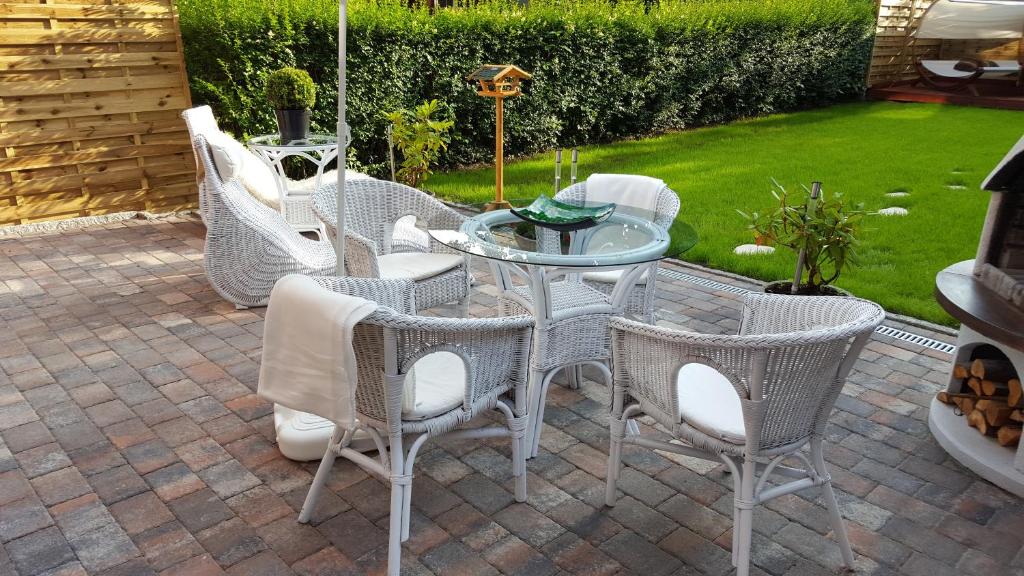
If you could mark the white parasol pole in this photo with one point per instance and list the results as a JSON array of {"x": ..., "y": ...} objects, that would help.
[{"x": 339, "y": 247}]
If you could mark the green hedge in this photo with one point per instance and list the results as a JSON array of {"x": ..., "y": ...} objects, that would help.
[{"x": 602, "y": 71}]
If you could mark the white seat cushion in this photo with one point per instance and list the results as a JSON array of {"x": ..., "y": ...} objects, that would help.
[
  {"x": 416, "y": 265},
  {"x": 609, "y": 276},
  {"x": 709, "y": 403},
  {"x": 308, "y": 185},
  {"x": 435, "y": 385},
  {"x": 234, "y": 161}
]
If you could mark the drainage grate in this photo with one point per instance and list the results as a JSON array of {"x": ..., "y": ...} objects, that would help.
[
  {"x": 889, "y": 331},
  {"x": 916, "y": 339},
  {"x": 673, "y": 274}
]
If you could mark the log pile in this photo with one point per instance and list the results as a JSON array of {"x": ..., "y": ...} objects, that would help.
[{"x": 990, "y": 397}]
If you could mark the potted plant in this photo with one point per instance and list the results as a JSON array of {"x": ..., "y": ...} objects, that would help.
[
  {"x": 292, "y": 94},
  {"x": 821, "y": 230},
  {"x": 526, "y": 236},
  {"x": 420, "y": 138}
]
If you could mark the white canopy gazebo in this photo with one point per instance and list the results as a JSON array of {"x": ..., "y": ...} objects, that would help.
[
  {"x": 972, "y": 20},
  {"x": 969, "y": 20}
]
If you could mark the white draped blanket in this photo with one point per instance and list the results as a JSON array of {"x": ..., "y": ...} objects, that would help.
[{"x": 308, "y": 362}]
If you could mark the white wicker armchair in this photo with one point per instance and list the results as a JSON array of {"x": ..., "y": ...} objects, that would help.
[
  {"x": 483, "y": 365},
  {"x": 641, "y": 297},
  {"x": 249, "y": 246},
  {"x": 750, "y": 400},
  {"x": 380, "y": 242}
]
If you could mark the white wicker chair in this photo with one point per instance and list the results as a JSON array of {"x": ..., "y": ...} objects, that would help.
[
  {"x": 484, "y": 362},
  {"x": 750, "y": 400},
  {"x": 380, "y": 242},
  {"x": 641, "y": 297},
  {"x": 294, "y": 202},
  {"x": 249, "y": 246},
  {"x": 574, "y": 332}
]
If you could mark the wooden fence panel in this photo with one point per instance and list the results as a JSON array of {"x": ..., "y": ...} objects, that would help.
[
  {"x": 894, "y": 54},
  {"x": 90, "y": 98}
]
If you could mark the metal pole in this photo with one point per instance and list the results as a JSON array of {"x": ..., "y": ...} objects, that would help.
[
  {"x": 391, "y": 150},
  {"x": 572, "y": 169},
  {"x": 339, "y": 246},
  {"x": 558, "y": 170},
  {"x": 811, "y": 205},
  {"x": 499, "y": 152}
]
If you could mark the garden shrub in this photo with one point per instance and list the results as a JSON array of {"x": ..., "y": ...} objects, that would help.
[{"x": 601, "y": 70}]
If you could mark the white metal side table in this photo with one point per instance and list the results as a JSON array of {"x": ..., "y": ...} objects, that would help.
[{"x": 295, "y": 195}]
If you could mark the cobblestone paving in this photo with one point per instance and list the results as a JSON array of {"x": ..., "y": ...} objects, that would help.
[{"x": 132, "y": 444}]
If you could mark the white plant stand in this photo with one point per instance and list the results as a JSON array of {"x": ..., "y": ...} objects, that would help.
[{"x": 296, "y": 196}]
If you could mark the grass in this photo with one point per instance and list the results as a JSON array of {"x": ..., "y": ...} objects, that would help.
[{"x": 939, "y": 154}]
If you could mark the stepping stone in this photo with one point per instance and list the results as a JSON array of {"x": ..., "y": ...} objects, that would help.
[
  {"x": 893, "y": 211},
  {"x": 897, "y": 194},
  {"x": 746, "y": 249}
]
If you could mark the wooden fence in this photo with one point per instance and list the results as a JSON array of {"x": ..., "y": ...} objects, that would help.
[
  {"x": 892, "y": 60},
  {"x": 90, "y": 97}
]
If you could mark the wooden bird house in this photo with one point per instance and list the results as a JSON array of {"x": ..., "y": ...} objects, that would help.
[{"x": 499, "y": 80}]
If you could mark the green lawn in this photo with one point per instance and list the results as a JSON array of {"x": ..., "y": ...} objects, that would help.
[{"x": 939, "y": 154}]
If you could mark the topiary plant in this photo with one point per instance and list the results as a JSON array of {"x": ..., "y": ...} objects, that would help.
[{"x": 291, "y": 89}]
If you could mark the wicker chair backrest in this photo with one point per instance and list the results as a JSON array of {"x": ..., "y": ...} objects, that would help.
[
  {"x": 788, "y": 373},
  {"x": 665, "y": 212},
  {"x": 496, "y": 353},
  {"x": 200, "y": 122},
  {"x": 373, "y": 206}
]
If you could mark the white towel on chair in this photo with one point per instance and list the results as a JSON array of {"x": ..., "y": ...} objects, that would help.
[
  {"x": 308, "y": 362},
  {"x": 639, "y": 192}
]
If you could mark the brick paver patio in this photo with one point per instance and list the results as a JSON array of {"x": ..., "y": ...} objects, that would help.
[{"x": 132, "y": 444}]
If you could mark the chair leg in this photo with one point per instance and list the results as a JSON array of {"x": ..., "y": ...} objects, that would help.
[
  {"x": 616, "y": 431},
  {"x": 517, "y": 427},
  {"x": 539, "y": 399},
  {"x": 519, "y": 466},
  {"x": 322, "y": 473},
  {"x": 575, "y": 376},
  {"x": 395, "y": 530},
  {"x": 462, "y": 308},
  {"x": 838, "y": 526},
  {"x": 737, "y": 489},
  {"x": 744, "y": 503}
]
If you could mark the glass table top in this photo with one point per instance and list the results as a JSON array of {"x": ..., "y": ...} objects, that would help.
[
  {"x": 313, "y": 140},
  {"x": 628, "y": 237}
]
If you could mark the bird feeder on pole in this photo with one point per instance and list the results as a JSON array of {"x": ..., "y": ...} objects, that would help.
[{"x": 499, "y": 81}]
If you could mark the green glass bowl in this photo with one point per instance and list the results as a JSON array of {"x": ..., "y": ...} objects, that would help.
[{"x": 549, "y": 213}]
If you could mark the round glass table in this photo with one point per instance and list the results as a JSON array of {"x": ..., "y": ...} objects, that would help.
[{"x": 554, "y": 280}]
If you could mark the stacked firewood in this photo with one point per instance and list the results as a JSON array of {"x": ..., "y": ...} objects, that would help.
[{"x": 991, "y": 398}]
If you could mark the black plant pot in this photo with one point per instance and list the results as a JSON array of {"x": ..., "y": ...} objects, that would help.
[
  {"x": 293, "y": 124},
  {"x": 785, "y": 287}
]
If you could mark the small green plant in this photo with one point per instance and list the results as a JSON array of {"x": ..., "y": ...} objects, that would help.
[
  {"x": 526, "y": 230},
  {"x": 291, "y": 89},
  {"x": 826, "y": 231},
  {"x": 420, "y": 138}
]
